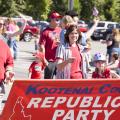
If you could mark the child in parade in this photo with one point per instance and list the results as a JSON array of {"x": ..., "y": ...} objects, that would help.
[
  {"x": 37, "y": 66},
  {"x": 101, "y": 71}
]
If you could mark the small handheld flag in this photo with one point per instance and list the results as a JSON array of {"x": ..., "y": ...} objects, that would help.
[{"x": 95, "y": 12}]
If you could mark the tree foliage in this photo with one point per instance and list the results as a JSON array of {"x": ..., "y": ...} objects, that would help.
[
  {"x": 9, "y": 7},
  {"x": 40, "y": 9},
  {"x": 115, "y": 10}
]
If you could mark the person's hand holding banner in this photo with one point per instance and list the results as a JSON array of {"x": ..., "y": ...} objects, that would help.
[{"x": 9, "y": 77}]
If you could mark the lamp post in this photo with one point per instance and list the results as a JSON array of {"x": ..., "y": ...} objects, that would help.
[{"x": 70, "y": 4}]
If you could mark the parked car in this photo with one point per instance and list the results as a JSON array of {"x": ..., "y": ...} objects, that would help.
[
  {"x": 83, "y": 27},
  {"x": 30, "y": 30},
  {"x": 104, "y": 28},
  {"x": 42, "y": 25}
]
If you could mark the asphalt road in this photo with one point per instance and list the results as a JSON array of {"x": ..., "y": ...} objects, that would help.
[{"x": 25, "y": 58}]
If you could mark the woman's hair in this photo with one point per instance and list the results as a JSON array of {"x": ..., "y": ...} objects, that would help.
[
  {"x": 67, "y": 20},
  {"x": 116, "y": 34},
  {"x": 69, "y": 30},
  {"x": 3, "y": 28}
]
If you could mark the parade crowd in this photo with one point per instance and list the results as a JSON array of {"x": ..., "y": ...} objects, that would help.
[
  {"x": 62, "y": 51},
  {"x": 67, "y": 50}
]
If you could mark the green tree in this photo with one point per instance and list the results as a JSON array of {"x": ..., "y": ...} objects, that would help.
[
  {"x": 60, "y": 6},
  {"x": 9, "y": 7},
  {"x": 115, "y": 10},
  {"x": 86, "y": 9},
  {"x": 77, "y": 6},
  {"x": 39, "y": 9},
  {"x": 106, "y": 9}
]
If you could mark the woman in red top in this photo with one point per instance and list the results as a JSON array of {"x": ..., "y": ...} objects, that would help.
[
  {"x": 68, "y": 56},
  {"x": 101, "y": 71}
]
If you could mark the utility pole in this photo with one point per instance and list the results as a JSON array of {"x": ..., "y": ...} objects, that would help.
[{"x": 70, "y": 4}]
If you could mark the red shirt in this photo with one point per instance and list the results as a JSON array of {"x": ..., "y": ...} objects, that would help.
[
  {"x": 76, "y": 65},
  {"x": 104, "y": 74},
  {"x": 5, "y": 59},
  {"x": 48, "y": 39},
  {"x": 36, "y": 70}
]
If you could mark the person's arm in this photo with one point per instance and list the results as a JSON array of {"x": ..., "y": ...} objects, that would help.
[
  {"x": 113, "y": 66},
  {"x": 42, "y": 48},
  {"x": 114, "y": 74},
  {"x": 19, "y": 31},
  {"x": 29, "y": 75},
  {"x": 92, "y": 29},
  {"x": 30, "y": 70},
  {"x": 9, "y": 74},
  {"x": 61, "y": 64}
]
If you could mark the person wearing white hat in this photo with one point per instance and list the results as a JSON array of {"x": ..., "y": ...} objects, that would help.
[{"x": 101, "y": 71}]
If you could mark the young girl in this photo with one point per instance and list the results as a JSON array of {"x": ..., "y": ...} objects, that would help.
[
  {"x": 37, "y": 66},
  {"x": 101, "y": 71}
]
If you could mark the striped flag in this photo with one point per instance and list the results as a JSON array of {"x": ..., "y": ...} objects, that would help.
[{"x": 95, "y": 12}]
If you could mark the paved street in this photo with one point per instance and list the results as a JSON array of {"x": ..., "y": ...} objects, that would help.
[{"x": 25, "y": 50}]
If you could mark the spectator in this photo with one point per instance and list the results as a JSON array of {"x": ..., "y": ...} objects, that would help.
[
  {"x": 116, "y": 40},
  {"x": 74, "y": 15},
  {"x": 37, "y": 66},
  {"x": 113, "y": 43},
  {"x": 10, "y": 35},
  {"x": 101, "y": 71},
  {"x": 68, "y": 56},
  {"x": 6, "y": 66},
  {"x": 2, "y": 30},
  {"x": 49, "y": 40},
  {"x": 11, "y": 28}
]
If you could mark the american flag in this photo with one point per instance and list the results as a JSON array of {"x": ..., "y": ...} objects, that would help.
[{"x": 95, "y": 12}]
